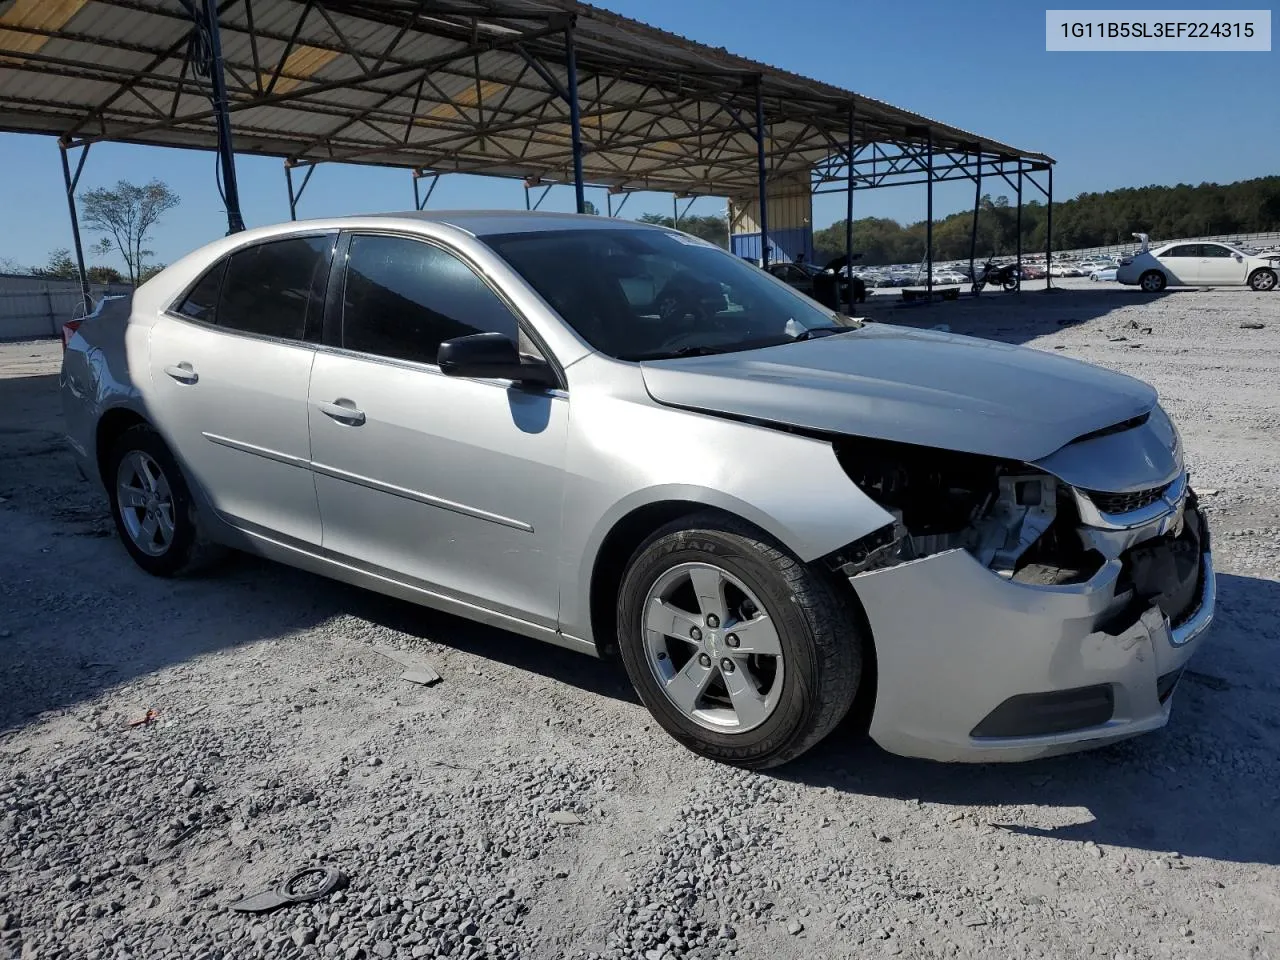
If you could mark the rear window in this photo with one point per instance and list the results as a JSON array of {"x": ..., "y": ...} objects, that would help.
[{"x": 267, "y": 287}]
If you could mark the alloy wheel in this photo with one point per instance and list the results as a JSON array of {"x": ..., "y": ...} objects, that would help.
[
  {"x": 713, "y": 648},
  {"x": 145, "y": 503}
]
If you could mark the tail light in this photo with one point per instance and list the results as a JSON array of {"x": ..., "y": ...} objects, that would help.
[{"x": 68, "y": 331}]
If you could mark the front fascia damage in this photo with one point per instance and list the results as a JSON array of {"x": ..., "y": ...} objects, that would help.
[
  {"x": 1054, "y": 521},
  {"x": 1051, "y": 615}
]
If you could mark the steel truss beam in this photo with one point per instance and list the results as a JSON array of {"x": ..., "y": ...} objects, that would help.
[{"x": 709, "y": 155}]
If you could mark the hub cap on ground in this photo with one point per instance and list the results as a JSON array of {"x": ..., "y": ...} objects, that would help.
[
  {"x": 146, "y": 503},
  {"x": 712, "y": 647}
]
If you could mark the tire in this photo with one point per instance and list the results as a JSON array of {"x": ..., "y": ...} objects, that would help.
[
  {"x": 799, "y": 695},
  {"x": 1153, "y": 281},
  {"x": 177, "y": 544},
  {"x": 1262, "y": 280},
  {"x": 1011, "y": 284}
]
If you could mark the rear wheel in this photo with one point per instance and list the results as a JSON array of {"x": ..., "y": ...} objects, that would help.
[
  {"x": 1153, "y": 281},
  {"x": 152, "y": 506},
  {"x": 1262, "y": 280},
  {"x": 740, "y": 651}
]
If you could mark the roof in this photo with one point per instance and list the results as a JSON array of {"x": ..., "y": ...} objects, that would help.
[{"x": 449, "y": 85}]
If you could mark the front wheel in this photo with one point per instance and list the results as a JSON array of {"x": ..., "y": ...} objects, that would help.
[
  {"x": 1153, "y": 281},
  {"x": 740, "y": 651},
  {"x": 1011, "y": 284},
  {"x": 1262, "y": 280}
]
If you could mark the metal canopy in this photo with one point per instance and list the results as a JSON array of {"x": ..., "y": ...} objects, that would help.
[{"x": 476, "y": 86}]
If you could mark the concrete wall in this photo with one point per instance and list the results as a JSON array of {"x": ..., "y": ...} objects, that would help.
[
  {"x": 32, "y": 307},
  {"x": 790, "y": 220}
]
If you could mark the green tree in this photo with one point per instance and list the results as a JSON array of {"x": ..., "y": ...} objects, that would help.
[
  {"x": 590, "y": 208},
  {"x": 59, "y": 267},
  {"x": 101, "y": 274},
  {"x": 127, "y": 213},
  {"x": 150, "y": 270}
]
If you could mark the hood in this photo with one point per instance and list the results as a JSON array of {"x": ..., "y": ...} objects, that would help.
[{"x": 913, "y": 386}]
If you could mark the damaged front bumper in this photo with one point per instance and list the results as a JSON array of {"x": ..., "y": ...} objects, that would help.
[{"x": 975, "y": 667}]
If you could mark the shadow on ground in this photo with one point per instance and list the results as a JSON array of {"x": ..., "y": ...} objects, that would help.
[{"x": 1207, "y": 785}]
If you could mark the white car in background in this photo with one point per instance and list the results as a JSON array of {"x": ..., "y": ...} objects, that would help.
[{"x": 1200, "y": 264}]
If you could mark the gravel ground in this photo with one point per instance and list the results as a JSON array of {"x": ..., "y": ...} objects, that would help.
[{"x": 527, "y": 807}]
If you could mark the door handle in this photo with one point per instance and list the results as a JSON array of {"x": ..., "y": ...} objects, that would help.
[
  {"x": 182, "y": 372},
  {"x": 344, "y": 411}
]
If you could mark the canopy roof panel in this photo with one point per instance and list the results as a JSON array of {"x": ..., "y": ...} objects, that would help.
[{"x": 442, "y": 85}]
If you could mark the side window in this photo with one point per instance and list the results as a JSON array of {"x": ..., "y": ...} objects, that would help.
[
  {"x": 202, "y": 302},
  {"x": 1214, "y": 250},
  {"x": 402, "y": 298},
  {"x": 1186, "y": 250},
  {"x": 268, "y": 285}
]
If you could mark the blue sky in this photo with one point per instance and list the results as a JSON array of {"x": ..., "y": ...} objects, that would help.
[{"x": 1110, "y": 119}]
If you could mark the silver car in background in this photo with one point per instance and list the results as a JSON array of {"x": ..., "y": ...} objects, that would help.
[{"x": 619, "y": 438}]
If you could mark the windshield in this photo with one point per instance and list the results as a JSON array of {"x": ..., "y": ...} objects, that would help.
[{"x": 643, "y": 294}]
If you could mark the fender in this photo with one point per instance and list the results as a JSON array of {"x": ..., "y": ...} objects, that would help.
[{"x": 789, "y": 485}]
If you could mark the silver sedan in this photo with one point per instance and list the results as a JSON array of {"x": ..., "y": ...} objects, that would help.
[{"x": 621, "y": 439}]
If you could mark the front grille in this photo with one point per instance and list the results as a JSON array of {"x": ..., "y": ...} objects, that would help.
[{"x": 1125, "y": 502}]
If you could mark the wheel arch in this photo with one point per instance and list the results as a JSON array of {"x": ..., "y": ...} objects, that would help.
[
  {"x": 1262, "y": 269},
  {"x": 629, "y": 531},
  {"x": 111, "y": 425}
]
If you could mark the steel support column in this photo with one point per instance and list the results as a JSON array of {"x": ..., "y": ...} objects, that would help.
[
  {"x": 928, "y": 229},
  {"x": 71, "y": 182},
  {"x": 575, "y": 116},
  {"x": 762, "y": 171},
  {"x": 296, "y": 195},
  {"x": 226, "y": 155},
  {"x": 420, "y": 202},
  {"x": 1018, "y": 228},
  {"x": 848, "y": 212},
  {"x": 973, "y": 228},
  {"x": 1048, "y": 233}
]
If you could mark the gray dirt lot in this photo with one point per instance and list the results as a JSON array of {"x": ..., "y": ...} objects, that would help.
[{"x": 286, "y": 737}]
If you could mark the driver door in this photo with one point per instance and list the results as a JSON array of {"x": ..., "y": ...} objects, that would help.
[
  {"x": 1219, "y": 265},
  {"x": 450, "y": 483}
]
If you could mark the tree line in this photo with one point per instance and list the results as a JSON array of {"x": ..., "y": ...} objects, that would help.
[{"x": 1089, "y": 220}]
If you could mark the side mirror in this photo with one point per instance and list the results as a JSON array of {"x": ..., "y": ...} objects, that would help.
[{"x": 491, "y": 355}]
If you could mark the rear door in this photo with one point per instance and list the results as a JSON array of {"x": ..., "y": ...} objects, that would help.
[
  {"x": 1219, "y": 265},
  {"x": 1182, "y": 263},
  {"x": 450, "y": 483},
  {"x": 230, "y": 364}
]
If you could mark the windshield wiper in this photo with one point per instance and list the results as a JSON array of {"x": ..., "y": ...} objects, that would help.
[
  {"x": 699, "y": 350},
  {"x": 811, "y": 332}
]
